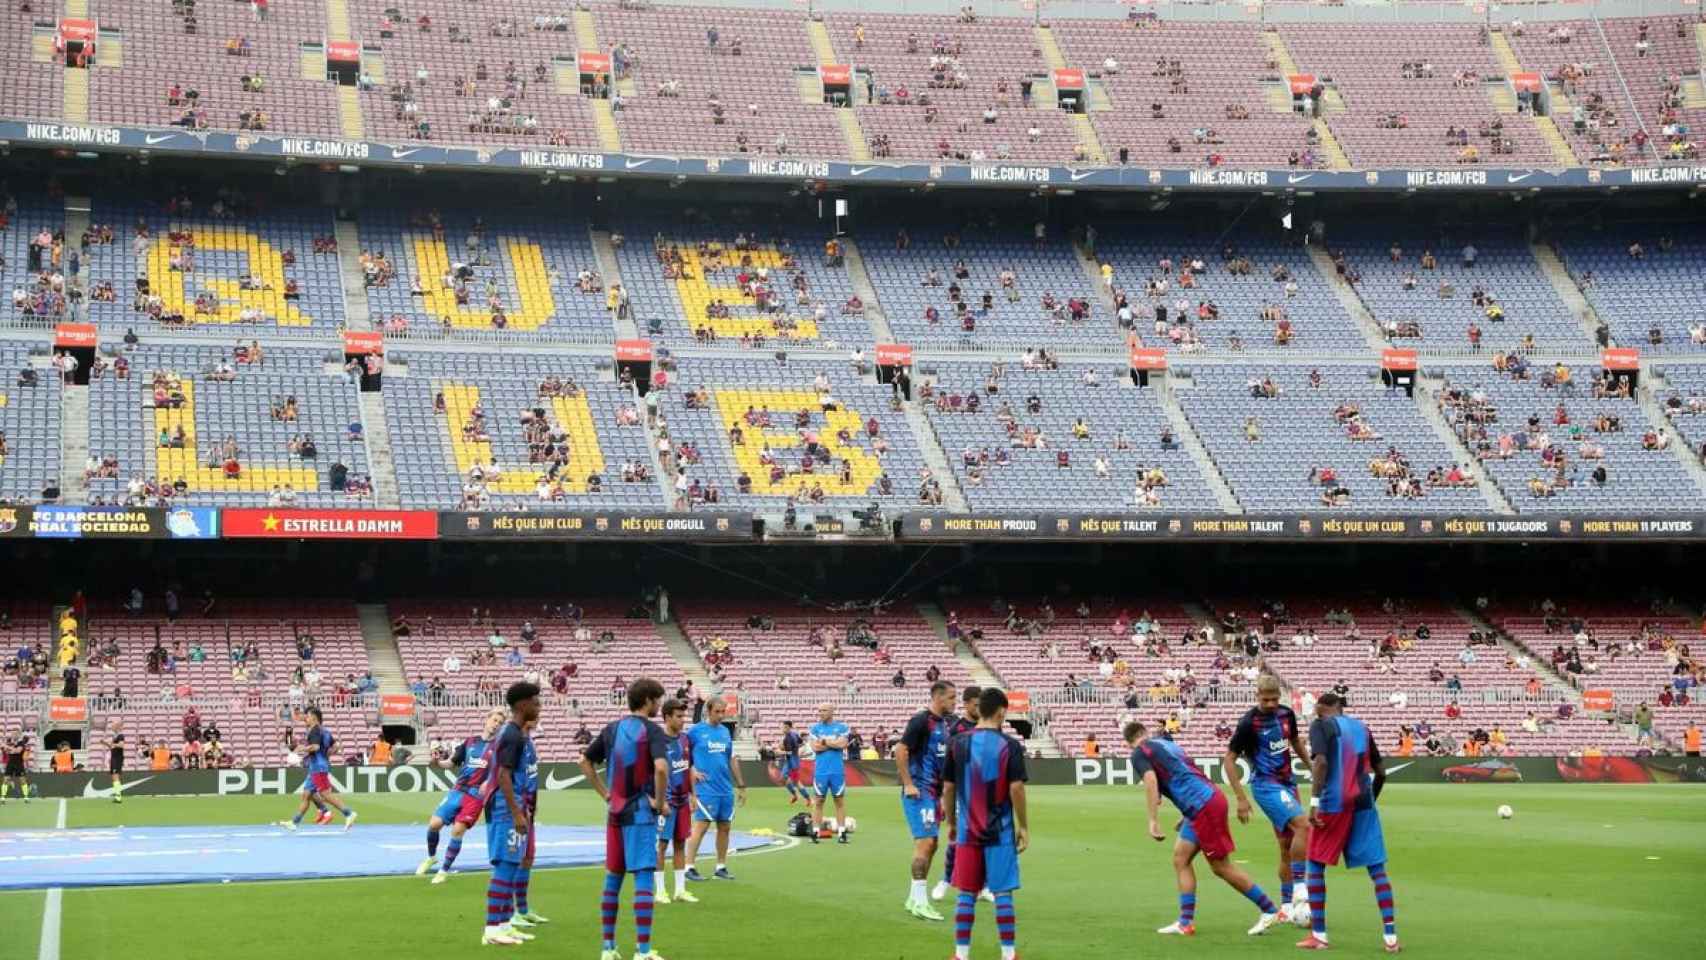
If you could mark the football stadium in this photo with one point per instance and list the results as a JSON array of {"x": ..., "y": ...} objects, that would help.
[{"x": 1013, "y": 478}]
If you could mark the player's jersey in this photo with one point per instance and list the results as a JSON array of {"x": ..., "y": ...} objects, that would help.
[
  {"x": 830, "y": 762},
  {"x": 115, "y": 746},
  {"x": 958, "y": 724},
  {"x": 983, "y": 765},
  {"x": 791, "y": 746},
  {"x": 1351, "y": 754},
  {"x": 1264, "y": 739},
  {"x": 527, "y": 775},
  {"x": 926, "y": 740},
  {"x": 1175, "y": 773},
  {"x": 680, "y": 756},
  {"x": 712, "y": 748},
  {"x": 320, "y": 761},
  {"x": 629, "y": 747},
  {"x": 15, "y": 750},
  {"x": 470, "y": 761},
  {"x": 505, "y": 752}
]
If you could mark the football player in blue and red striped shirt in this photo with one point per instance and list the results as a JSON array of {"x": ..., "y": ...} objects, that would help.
[
  {"x": 983, "y": 791},
  {"x": 678, "y": 822},
  {"x": 1343, "y": 820},
  {"x": 1267, "y": 738},
  {"x": 635, "y": 751},
  {"x": 317, "y": 787},
  {"x": 919, "y": 759},
  {"x": 461, "y": 806},
  {"x": 963, "y": 722},
  {"x": 1167, "y": 771},
  {"x": 508, "y": 823}
]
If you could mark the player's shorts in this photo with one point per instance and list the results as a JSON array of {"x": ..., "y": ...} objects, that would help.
[
  {"x": 317, "y": 783},
  {"x": 1354, "y": 834},
  {"x": 15, "y": 766},
  {"x": 1279, "y": 802},
  {"x": 714, "y": 810},
  {"x": 503, "y": 844},
  {"x": 631, "y": 849},
  {"x": 833, "y": 785},
  {"x": 452, "y": 804},
  {"x": 677, "y": 826},
  {"x": 789, "y": 768},
  {"x": 115, "y": 760},
  {"x": 1209, "y": 830},
  {"x": 995, "y": 869},
  {"x": 923, "y": 816}
]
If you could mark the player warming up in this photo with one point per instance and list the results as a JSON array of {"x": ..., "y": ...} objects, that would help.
[
  {"x": 983, "y": 790},
  {"x": 460, "y": 808},
  {"x": 528, "y": 775},
  {"x": 316, "y": 750},
  {"x": 918, "y": 760},
  {"x": 788, "y": 763},
  {"x": 964, "y": 722},
  {"x": 678, "y": 822},
  {"x": 17, "y": 750},
  {"x": 829, "y": 773},
  {"x": 1349, "y": 776},
  {"x": 1266, "y": 739},
  {"x": 507, "y": 823},
  {"x": 717, "y": 786},
  {"x": 1168, "y": 772},
  {"x": 115, "y": 759},
  {"x": 635, "y": 751}
]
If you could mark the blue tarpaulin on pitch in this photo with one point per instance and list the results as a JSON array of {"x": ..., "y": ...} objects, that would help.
[{"x": 98, "y": 857}]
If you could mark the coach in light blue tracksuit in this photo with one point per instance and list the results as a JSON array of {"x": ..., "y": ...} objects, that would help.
[{"x": 717, "y": 785}]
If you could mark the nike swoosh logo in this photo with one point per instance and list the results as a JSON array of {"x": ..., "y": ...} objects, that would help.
[
  {"x": 1517, "y": 177},
  {"x": 859, "y": 171},
  {"x": 154, "y": 138},
  {"x": 90, "y": 792},
  {"x": 1078, "y": 175},
  {"x": 397, "y": 154},
  {"x": 1297, "y": 177},
  {"x": 1392, "y": 770},
  {"x": 632, "y": 164},
  {"x": 552, "y": 783}
]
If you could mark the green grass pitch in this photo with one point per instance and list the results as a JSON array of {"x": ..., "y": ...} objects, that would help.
[{"x": 1582, "y": 871}]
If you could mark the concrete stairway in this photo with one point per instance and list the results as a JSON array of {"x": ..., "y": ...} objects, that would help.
[
  {"x": 934, "y": 457},
  {"x": 1331, "y": 103},
  {"x": 981, "y": 672},
  {"x": 1082, "y": 128},
  {"x": 605, "y": 253},
  {"x": 382, "y": 656},
  {"x": 1187, "y": 437},
  {"x": 1350, "y": 300},
  {"x": 376, "y": 434},
  {"x": 1502, "y": 97},
  {"x": 603, "y": 117},
  {"x": 852, "y": 134},
  {"x": 73, "y": 443},
  {"x": 1653, "y": 387},
  {"x": 356, "y": 311},
  {"x": 1428, "y": 400},
  {"x": 76, "y": 95},
  {"x": 350, "y": 122},
  {"x": 860, "y": 278},
  {"x": 1555, "y": 142},
  {"x": 1561, "y": 281}
]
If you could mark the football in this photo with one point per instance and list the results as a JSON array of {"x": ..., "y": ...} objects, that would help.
[
  {"x": 852, "y": 824},
  {"x": 1505, "y": 811}
]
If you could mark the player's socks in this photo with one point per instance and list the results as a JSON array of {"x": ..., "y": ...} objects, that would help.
[
  {"x": 1383, "y": 897},
  {"x": 498, "y": 893},
  {"x": 522, "y": 875},
  {"x": 1318, "y": 899},
  {"x": 680, "y": 881},
  {"x": 918, "y": 891},
  {"x": 432, "y": 844},
  {"x": 643, "y": 913},
  {"x": 1297, "y": 884},
  {"x": 296, "y": 821},
  {"x": 1260, "y": 899},
  {"x": 607, "y": 908},
  {"x": 1187, "y": 909},
  {"x": 1006, "y": 924},
  {"x": 450, "y": 852},
  {"x": 965, "y": 911}
]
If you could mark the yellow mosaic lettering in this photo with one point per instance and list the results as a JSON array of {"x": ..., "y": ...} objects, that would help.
[
  {"x": 527, "y": 266},
  {"x": 266, "y": 264},
  {"x": 732, "y": 404},
  {"x": 573, "y": 414},
  {"x": 181, "y": 462},
  {"x": 697, "y": 292}
]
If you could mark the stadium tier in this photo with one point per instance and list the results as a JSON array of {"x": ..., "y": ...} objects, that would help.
[
  {"x": 29, "y": 425},
  {"x": 1642, "y": 283}
]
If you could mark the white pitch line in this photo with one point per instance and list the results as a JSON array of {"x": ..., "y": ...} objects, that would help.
[{"x": 49, "y": 949}]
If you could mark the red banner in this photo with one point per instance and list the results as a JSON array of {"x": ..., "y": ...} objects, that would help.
[
  {"x": 1301, "y": 83},
  {"x": 343, "y": 51},
  {"x": 364, "y": 341},
  {"x": 1621, "y": 358},
  {"x": 1526, "y": 81},
  {"x": 836, "y": 74},
  {"x": 396, "y": 705},
  {"x": 329, "y": 524},
  {"x": 634, "y": 351},
  {"x": 68, "y": 710},
  {"x": 1396, "y": 359},
  {"x": 894, "y": 355},
  {"x": 1018, "y": 701},
  {"x": 1069, "y": 78},
  {"x": 75, "y": 335},
  {"x": 594, "y": 62},
  {"x": 1599, "y": 701},
  {"x": 1148, "y": 358},
  {"x": 76, "y": 31}
]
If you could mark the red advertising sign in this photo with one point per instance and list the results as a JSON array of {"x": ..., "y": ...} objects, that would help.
[
  {"x": 894, "y": 355},
  {"x": 594, "y": 62},
  {"x": 364, "y": 341},
  {"x": 1599, "y": 701},
  {"x": 1018, "y": 701},
  {"x": 634, "y": 350},
  {"x": 1069, "y": 78},
  {"x": 1525, "y": 81},
  {"x": 75, "y": 335},
  {"x": 1621, "y": 358},
  {"x": 396, "y": 705},
  {"x": 836, "y": 74},
  {"x": 285, "y": 524},
  {"x": 68, "y": 710},
  {"x": 1301, "y": 83},
  {"x": 76, "y": 31},
  {"x": 1148, "y": 358},
  {"x": 1398, "y": 359}
]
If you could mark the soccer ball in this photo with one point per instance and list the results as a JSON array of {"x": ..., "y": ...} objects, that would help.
[
  {"x": 852, "y": 824},
  {"x": 1505, "y": 811}
]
